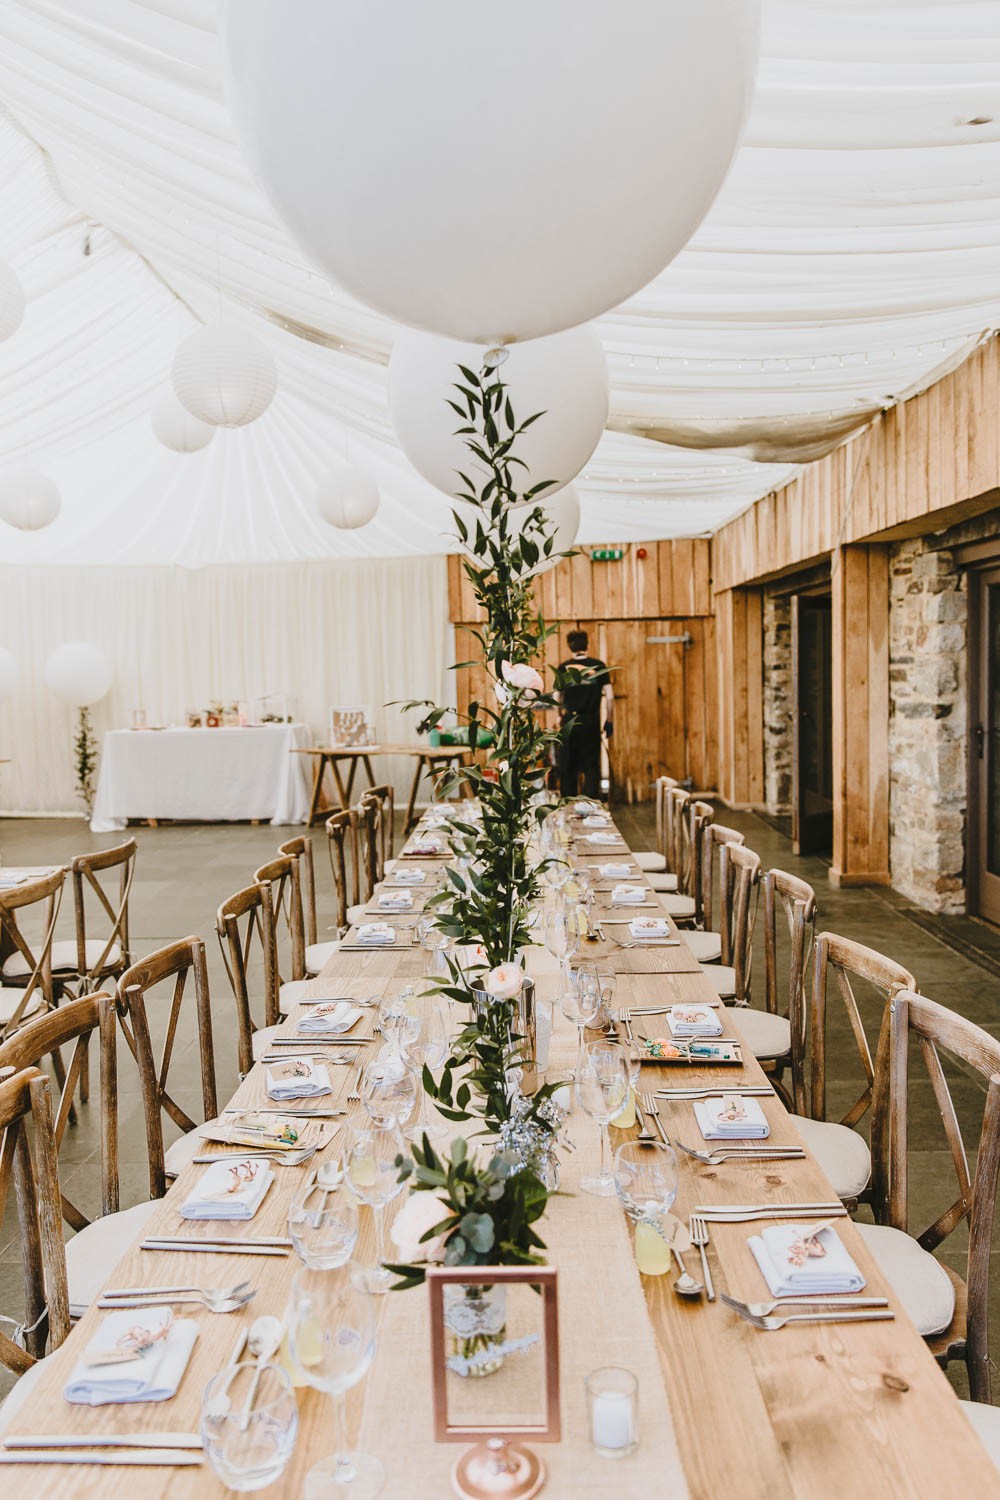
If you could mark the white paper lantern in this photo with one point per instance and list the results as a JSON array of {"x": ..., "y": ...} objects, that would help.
[
  {"x": 491, "y": 172},
  {"x": 176, "y": 428},
  {"x": 224, "y": 376},
  {"x": 564, "y": 376},
  {"x": 10, "y": 673},
  {"x": 29, "y": 499},
  {"x": 11, "y": 301},
  {"x": 347, "y": 497},
  {"x": 78, "y": 673}
]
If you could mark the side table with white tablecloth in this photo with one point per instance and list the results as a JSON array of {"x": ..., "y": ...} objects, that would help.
[{"x": 203, "y": 775}]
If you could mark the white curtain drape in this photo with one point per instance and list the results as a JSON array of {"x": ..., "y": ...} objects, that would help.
[{"x": 371, "y": 631}]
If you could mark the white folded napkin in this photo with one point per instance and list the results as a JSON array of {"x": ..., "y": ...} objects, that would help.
[
  {"x": 628, "y": 895},
  {"x": 602, "y": 838},
  {"x": 298, "y": 1078},
  {"x": 731, "y": 1118},
  {"x": 693, "y": 1020},
  {"x": 229, "y": 1189},
  {"x": 395, "y": 900},
  {"x": 408, "y": 877},
  {"x": 376, "y": 934},
  {"x": 153, "y": 1376},
  {"x": 649, "y": 927},
  {"x": 615, "y": 872},
  {"x": 329, "y": 1019},
  {"x": 425, "y": 843},
  {"x": 596, "y": 820},
  {"x": 781, "y": 1253}
]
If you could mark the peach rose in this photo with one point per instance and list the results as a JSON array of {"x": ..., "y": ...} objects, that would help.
[
  {"x": 419, "y": 1213},
  {"x": 504, "y": 982},
  {"x": 519, "y": 675}
]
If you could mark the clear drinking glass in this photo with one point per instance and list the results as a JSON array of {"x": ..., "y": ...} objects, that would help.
[
  {"x": 578, "y": 1004},
  {"x": 323, "y": 1223},
  {"x": 429, "y": 1050},
  {"x": 646, "y": 1183},
  {"x": 557, "y": 873},
  {"x": 389, "y": 1090},
  {"x": 332, "y": 1341},
  {"x": 613, "y": 1404},
  {"x": 249, "y": 1448},
  {"x": 399, "y": 1018},
  {"x": 602, "y": 1084},
  {"x": 371, "y": 1173}
]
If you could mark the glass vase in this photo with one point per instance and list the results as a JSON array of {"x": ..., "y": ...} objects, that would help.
[{"x": 475, "y": 1320}]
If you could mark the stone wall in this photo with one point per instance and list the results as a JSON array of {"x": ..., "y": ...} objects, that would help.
[
  {"x": 777, "y": 704},
  {"x": 927, "y": 724}
]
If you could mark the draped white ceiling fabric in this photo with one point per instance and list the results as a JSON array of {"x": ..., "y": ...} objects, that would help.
[{"x": 851, "y": 259}]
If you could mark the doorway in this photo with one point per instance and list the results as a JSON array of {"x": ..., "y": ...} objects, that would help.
[
  {"x": 812, "y": 723},
  {"x": 984, "y": 743}
]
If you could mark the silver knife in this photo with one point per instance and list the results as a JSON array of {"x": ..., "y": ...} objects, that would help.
[
  {"x": 122, "y": 1440},
  {"x": 151, "y": 1458}
]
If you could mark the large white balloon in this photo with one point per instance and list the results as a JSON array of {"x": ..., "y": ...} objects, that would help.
[
  {"x": 563, "y": 511},
  {"x": 347, "y": 497},
  {"x": 492, "y": 172},
  {"x": 78, "y": 673},
  {"x": 29, "y": 499},
  {"x": 564, "y": 376},
  {"x": 11, "y": 301},
  {"x": 176, "y": 428},
  {"x": 10, "y": 673},
  {"x": 224, "y": 376}
]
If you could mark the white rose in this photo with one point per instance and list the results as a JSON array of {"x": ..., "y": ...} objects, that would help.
[
  {"x": 520, "y": 675},
  {"x": 504, "y": 982},
  {"x": 419, "y": 1213}
]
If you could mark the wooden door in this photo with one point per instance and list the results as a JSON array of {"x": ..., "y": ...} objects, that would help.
[
  {"x": 984, "y": 744},
  {"x": 812, "y": 723}
]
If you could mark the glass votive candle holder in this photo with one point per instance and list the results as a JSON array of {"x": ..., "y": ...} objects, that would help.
[{"x": 613, "y": 1405}]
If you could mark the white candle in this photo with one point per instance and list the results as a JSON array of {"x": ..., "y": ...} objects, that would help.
[{"x": 611, "y": 1419}]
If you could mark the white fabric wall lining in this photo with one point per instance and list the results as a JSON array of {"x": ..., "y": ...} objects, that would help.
[{"x": 371, "y": 631}]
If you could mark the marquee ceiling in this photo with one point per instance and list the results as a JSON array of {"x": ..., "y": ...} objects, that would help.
[{"x": 851, "y": 259}]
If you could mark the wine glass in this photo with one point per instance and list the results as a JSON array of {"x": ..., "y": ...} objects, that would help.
[
  {"x": 601, "y": 1087},
  {"x": 323, "y": 1222},
  {"x": 557, "y": 873},
  {"x": 399, "y": 1019},
  {"x": 429, "y": 1050},
  {"x": 248, "y": 1446},
  {"x": 579, "y": 1005},
  {"x": 608, "y": 983},
  {"x": 388, "y": 1090},
  {"x": 371, "y": 1173},
  {"x": 562, "y": 936},
  {"x": 435, "y": 942},
  {"x": 332, "y": 1341}
]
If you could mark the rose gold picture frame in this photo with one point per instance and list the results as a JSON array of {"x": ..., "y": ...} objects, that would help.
[{"x": 545, "y": 1278}]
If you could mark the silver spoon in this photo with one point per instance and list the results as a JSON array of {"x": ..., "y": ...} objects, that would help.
[
  {"x": 263, "y": 1343},
  {"x": 679, "y": 1238}
]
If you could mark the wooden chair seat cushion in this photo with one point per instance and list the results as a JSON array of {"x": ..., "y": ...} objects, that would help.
[
  {"x": 648, "y": 859},
  {"x": 921, "y": 1283},
  {"x": 64, "y": 957},
  {"x": 91, "y": 1253},
  {"x": 261, "y": 1041},
  {"x": 768, "y": 1036},
  {"x": 318, "y": 955},
  {"x": 19, "y": 1394},
  {"x": 178, "y": 1156},
  {"x": 11, "y": 998},
  {"x": 680, "y": 907},
  {"x": 722, "y": 979},
  {"x": 841, "y": 1152},
  {"x": 663, "y": 882},
  {"x": 985, "y": 1422},
  {"x": 706, "y": 947}
]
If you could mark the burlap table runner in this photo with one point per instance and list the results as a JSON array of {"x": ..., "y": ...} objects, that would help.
[{"x": 602, "y": 1321}]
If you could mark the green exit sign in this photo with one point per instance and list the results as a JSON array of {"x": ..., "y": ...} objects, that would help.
[{"x": 607, "y": 554}]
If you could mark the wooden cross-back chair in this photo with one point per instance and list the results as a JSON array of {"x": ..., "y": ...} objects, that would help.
[
  {"x": 369, "y": 811},
  {"x": 663, "y": 844},
  {"x": 795, "y": 900},
  {"x": 937, "y": 1030},
  {"x": 301, "y": 850},
  {"x": 342, "y": 846},
  {"x": 677, "y": 822},
  {"x": 245, "y": 927},
  {"x": 73, "y": 1024},
  {"x": 92, "y": 960},
  {"x": 27, "y": 971},
  {"x": 28, "y": 1162},
  {"x": 837, "y": 961},
  {"x": 382, "y": 849},
  {"x": 283, "y": 878},
  {"x": 739, "y": 895},
  {"x": 713, "y": 837},
  {"x": 181, "y": 962},
  {"x": 698, "y": 816}
]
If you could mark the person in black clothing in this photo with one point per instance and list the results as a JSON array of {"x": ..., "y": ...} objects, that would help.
[{"x": 586, "y": 699}]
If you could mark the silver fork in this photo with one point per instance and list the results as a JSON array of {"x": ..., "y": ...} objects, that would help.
[
  {"x": 699, "y": 1237},
  {"x": 763, "y": 1309},
  {"x": 743, "y": 1153},
  {"x": 645, "y": 1134},
  {"x": 293, "y": 1158},
  {"x": 771, "y": 1325},
  {"x": 354, "y": 1097},
  {"x": 650, "y": 1107},
  {"x": 222, "y": 1300}
]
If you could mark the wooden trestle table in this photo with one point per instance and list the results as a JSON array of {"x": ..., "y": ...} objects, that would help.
[{"x": 430, "y": 759}]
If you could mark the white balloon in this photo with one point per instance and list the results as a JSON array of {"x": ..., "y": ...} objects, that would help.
[
  {"x": 10, "y": 673},
  {"x": 563, "y": 511},
  {"x": 29, "y": 499},
  {"x": 224, "y": 376},
  {"x": 11, "y": 301},
  {"x": 347, "y": 497},
  {"x": 491, "y": 172},
  {"x": 78, "y": 673},
  {"x": 176, "y": 428},
  {"x": 564, "y": 376}
]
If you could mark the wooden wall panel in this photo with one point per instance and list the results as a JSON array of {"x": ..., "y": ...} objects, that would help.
[{"x": 740, "y": 696}]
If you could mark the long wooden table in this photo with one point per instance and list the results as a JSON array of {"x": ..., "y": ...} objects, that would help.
[{"x": 822, "y": 1412}]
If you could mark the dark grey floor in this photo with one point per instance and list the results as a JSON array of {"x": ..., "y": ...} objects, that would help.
[{"x": 185, "y": 871}]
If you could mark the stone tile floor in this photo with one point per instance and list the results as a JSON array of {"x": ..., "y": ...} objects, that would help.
[{"x": 185, "y": 871}]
